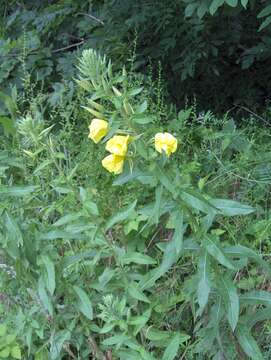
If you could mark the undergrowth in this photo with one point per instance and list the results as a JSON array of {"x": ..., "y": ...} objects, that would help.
[{"x": 169, "y": 260}]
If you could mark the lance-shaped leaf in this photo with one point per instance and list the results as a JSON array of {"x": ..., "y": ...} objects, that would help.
[
  {"x": 204, "y": 280},
  {"x": 213, "y": 248}
]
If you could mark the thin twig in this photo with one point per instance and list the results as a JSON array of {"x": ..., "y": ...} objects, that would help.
[
  {"x": 254, "y": 114},
  {"x": 92, "y": 17},
  {"x": 68, "y": 47}
]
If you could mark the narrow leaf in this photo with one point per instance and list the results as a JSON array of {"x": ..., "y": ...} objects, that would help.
[
  {"x": 231, "y": 300},
  {"x": 232, "y": 208},
  {"x": 16, "y": 190},
  {"x": 259, "y": 297},
  {"x": 172, "y": 348},
  {"x": 204, "y": 280},
  {"x": 215, "y": 5},
  {"x": 157, "y": 205},
  {"x": 178, "y": 231},
  {"x": 232, "y": 3},
  {"x": 265, "y": 12},
  {"x": 244, "y": 3},
  {"x": 242, "y": 251},
  {"x": 50, "y": 272},
  {"x": 198, "y": 202},
  {"x": 248, "y": 343},
  {"x": 259, "y": 315},
  {"x": 266, "y": 22},
  {"x": 46, "y": 302},
  {"x": 214, "y": 249},
  {"x": 164, "y": 179},
  {"x": 137, "y": 258},
  {"x": 84, "y": 304},
  {"x": 120, "y": 216},
  {"x": 136, "y": 293}
]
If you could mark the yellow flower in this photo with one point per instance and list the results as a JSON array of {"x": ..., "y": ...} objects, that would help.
[
  {"x": 113, "y": 163},
  {"x": 165, "y": 142},
  {"x": 97, "y": 130},
  {"x": 118, "y": 145}
]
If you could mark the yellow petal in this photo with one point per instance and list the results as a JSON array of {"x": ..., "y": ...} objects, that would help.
[
  {"x": 113, "y": 163},
  {"x": 118, "y": 145},
  {"x": 165, "y": 142},
  {"x": 97, "y": 130}
]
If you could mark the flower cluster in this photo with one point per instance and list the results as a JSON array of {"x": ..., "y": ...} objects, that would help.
[{"x": 118, "y": 145}]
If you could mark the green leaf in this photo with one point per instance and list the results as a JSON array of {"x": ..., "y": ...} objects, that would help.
[
  {"x": 202, "y": 9},
  {"x": 242, "y": 251},
  {"x": 116, "y": 339},
  {"x": 120, "y": 216},
  {"x": 13, "y": 235},
  {"x": 8, "y": 125},
  {"x": 50, "y": 273},
  {"x": 4, "y": 354},
  {"x": 178, "y": 231},
  {"x": 84, "y": 304},
  {"x": 232, "y": 3},
  {"x": 137, "y": 258},
  {"x": 215, "y": 5},
  {"x": 265, "y": 12},
  {"x": 231, "y": 208},
  {"x": 157, "y": 206},
  {"x": 127, "y": 177},
  {"x": 135, "y": 91},
  {"x": 16, "y": 190},
  {"x": 244, "y": 3},
  {"x": 260, "y": 315},
  {"x": 10, "y": 104},
  {"x": 143, "y": 119},
  {"x": 3, "y": 329},
  {"x": 257, "y": 297},
  {"x": 57, "y": 340},
  {"x": 214, "y": 249},
  {"x": 165, "y": 181},
  {"x": 59, "y": 234},
  {"x": 169, "y": 258},
  {"x": 266, "y": 22},
  {"x": 190, "y": 8},
  {"x": 142, "y": 108},
  {"x": 204, "y": 280},
  {"x": 45, "y": 300},
  {"x": 66, "y": 219},
  {"x": 231, "y": 300},
  {"x": 136, "y": 293},
  {"x": 172, "y": 349},
  {"x": 16, "y": 352},
  {"x": 248, "y": 343},
  {"x": 198, "y": 202},
  {"x": 91, "y": 207},
  {"x": 42, "y": 354},
  {"x": 140, "y": 321},
  {"x": 153, "y": 334},
  {"x": 73, "y": 259}
]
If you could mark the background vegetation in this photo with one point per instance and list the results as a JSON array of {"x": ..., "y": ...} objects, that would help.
[{"x": 152, "y": 264}]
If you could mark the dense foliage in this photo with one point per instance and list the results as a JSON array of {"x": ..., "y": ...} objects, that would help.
[
  {"x": 170, "y": 259},
  {"x": 204, "y": 48}
]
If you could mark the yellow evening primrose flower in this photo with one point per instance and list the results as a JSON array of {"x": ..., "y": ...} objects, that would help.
[
  {"x": 113, "y": 163},
  {"x": 97, "y": 130},
  {"x": 118, "y": 145},
  {"x": 165, "y": 142}
]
